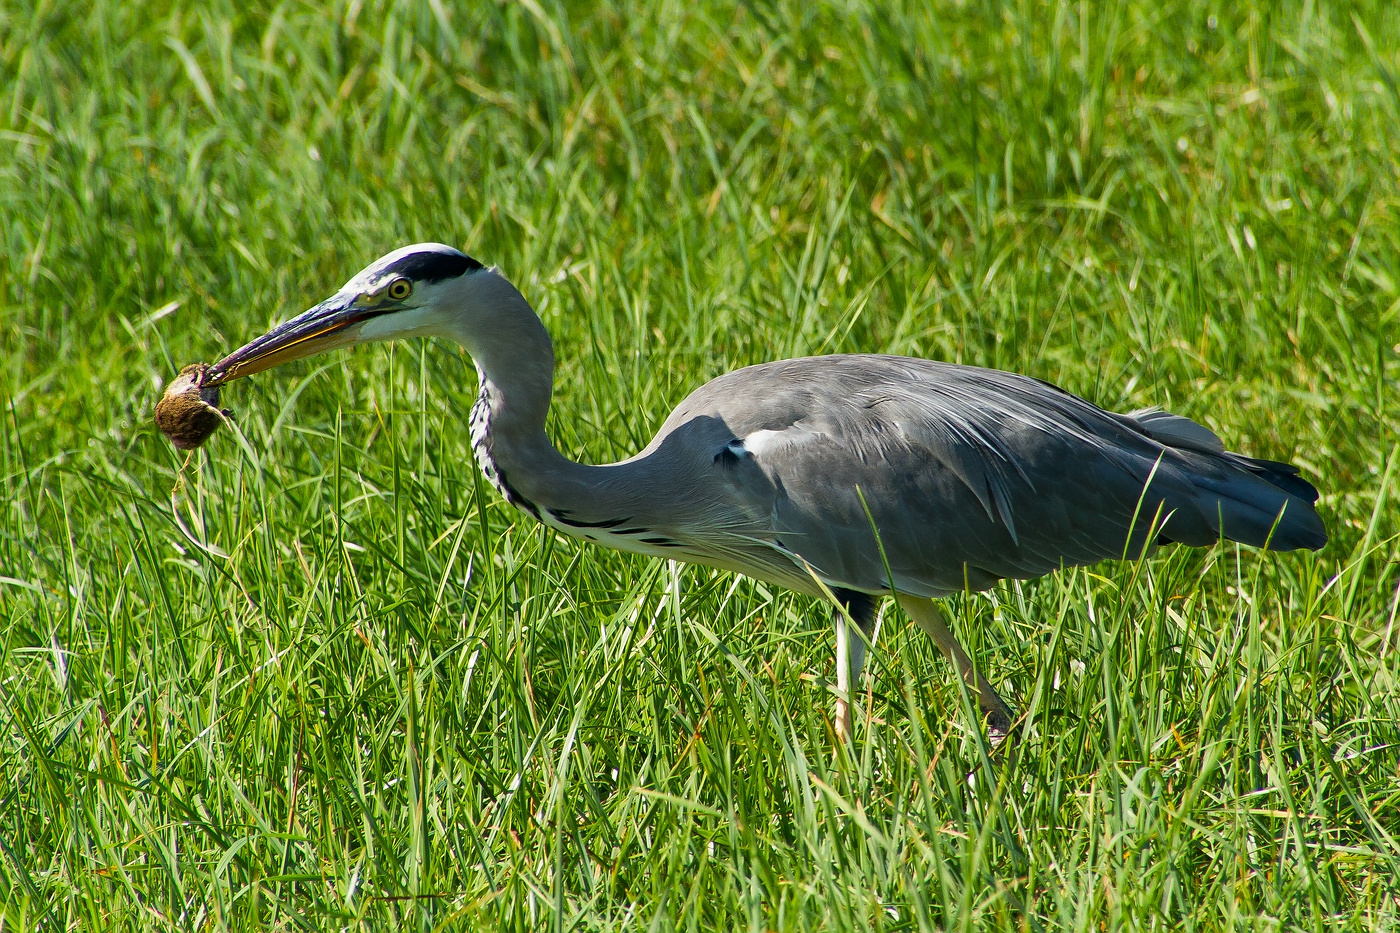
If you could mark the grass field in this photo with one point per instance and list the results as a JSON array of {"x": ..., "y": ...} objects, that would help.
[{"x": 322, "y": 678}]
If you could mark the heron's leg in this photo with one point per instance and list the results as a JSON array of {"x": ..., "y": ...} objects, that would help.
[
  {"x": 850, "y": 652},
  {"x": 930, "y": 618}
]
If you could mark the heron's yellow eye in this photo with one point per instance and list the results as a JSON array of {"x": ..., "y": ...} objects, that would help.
[{"x": 399, "y": 289}]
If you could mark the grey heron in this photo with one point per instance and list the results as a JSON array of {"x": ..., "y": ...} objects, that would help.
[{"x": 848, "y": 478}]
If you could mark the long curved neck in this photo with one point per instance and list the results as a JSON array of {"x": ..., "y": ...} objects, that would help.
[
  {"x": 656, "y": 502},
  {"x": 515, "y": 360}
]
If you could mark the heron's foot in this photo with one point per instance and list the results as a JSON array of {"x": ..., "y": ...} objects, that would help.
[
  {"x": 998, "y": 728},
  {"x": 999, "y": 718}
]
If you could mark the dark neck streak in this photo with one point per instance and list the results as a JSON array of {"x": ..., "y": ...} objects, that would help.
[{"x": 482, "y": 444}]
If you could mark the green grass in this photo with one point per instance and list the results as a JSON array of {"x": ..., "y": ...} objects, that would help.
[{"x": 322, "y": 678}]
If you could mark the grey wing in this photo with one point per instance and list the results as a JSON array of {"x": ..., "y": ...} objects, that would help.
[{"x": 968, "y": 475}]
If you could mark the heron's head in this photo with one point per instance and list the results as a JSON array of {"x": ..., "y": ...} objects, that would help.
[{"x": 414, "y": 291}]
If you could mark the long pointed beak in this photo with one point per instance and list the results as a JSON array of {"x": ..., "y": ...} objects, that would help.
[{"x": 329, "y": 325}]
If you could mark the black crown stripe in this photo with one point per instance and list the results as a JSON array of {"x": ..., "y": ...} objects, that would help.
[{"x": 433, "y": 266}]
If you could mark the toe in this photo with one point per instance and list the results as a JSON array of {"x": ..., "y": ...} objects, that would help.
[{"x": 998, "y": 725}]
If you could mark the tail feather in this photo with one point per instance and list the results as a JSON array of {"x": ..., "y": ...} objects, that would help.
[
  {"x": 1283, "y": 475},
  {"x": 1256, "y": 502},
  {"x": 1255, "y": 511}
]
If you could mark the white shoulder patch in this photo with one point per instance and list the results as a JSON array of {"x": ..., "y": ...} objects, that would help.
[{"x": 763, "y": 442}]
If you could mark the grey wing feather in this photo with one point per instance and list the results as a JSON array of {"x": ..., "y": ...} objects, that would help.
[
  {"x": 970, "y": 475},
  {"x": 1176, "y": 431}
]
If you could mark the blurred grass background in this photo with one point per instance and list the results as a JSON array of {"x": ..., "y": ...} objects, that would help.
[{"x": 321, "y": 678}]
